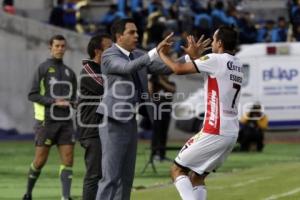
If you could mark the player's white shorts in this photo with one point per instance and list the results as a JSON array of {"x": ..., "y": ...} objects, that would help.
[{"x": 205, "y": 152}]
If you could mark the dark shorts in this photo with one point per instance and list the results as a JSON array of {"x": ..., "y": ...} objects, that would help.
[{"x": 59, "y": 133}]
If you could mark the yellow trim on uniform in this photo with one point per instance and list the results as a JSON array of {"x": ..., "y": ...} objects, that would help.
[
  {"x": 63, "y": 167},
  {"x": 33, "y": 168},
  {"x": 39, "y": 109},
  {"x": 51, "y": 70}
]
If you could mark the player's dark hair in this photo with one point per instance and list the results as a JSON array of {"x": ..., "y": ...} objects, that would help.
[
  {"x": 118, "y": 27},
  {"x": 96, "y": 43},
  {"x": 56, "y": 37},
  {"x": 229, "y": 37}
]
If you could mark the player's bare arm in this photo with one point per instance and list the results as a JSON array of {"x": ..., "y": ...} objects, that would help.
[{"x": 176, "y": 67}]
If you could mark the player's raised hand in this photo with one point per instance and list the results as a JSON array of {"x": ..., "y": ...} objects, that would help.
[
  {"x": 191, "y": 48},
  {"x": 195, "y": 49},
  {"x": 203, "y": 45}
]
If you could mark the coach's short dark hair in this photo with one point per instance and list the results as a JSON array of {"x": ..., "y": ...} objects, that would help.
[
  {"x": 119, "y": 27},
  {"x": 96, "y": 43},
  {"x": 229, "y": 37},
  {"x": 56, "y": 37}
]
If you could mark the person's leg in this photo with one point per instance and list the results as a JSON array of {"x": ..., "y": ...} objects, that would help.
[
  {"x": 115, "y": 139},
  {"x": 202, "y": 154},
  {"x": 43, "y": 141},
  {"x": 93, "y": 173},
  {"x": 40, "y": 159},
  {"x": 128, "y": 167},
  {"x": 182, "y": 182},
  {"x": 164, "y": 135},
  {"x": 198, "y": 154},
  {"x": 198, "y": 183},
  {"x": 65, "y": 140},
  {"x": 260, "y": 141},
  {"x": 223, "y": 147},
  {"x": 65, "y": 171},
  {"x": 155, "y": 139},
  {"x": 245, "y": 144}
]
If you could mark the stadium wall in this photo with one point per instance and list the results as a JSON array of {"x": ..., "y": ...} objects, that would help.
[{"x": 23, "y": 46}]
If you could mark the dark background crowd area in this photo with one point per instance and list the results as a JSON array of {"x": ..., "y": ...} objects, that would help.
[{"x": 156, "y": 18}]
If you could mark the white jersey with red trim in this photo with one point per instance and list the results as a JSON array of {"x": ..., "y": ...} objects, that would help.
[{"x": 223, "y": 81}]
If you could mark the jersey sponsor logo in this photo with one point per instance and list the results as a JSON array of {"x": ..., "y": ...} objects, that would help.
[
  {"x": 230, "y": 112},
  {"x": 233, "y": 67},
  {"x": 202, "y": 58},
  {"x": 52, "y": 81},
  {"x": 51, "y": 70},
  {"x": 235, "y": 78},
  {"x": 212, "y": 116},
  {"x": 214, "y": 108}
]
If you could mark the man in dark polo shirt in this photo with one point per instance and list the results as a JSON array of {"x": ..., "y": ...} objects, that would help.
[{"x": 91, "y": 90}]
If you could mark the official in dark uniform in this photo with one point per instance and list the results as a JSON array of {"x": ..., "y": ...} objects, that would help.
[{"x": 53, "y": 94}]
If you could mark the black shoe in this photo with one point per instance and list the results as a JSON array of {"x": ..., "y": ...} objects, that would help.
[{"x": 27, "y": 197}]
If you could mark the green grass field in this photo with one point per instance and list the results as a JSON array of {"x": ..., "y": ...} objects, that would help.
[{"x": 273, "y": 174}]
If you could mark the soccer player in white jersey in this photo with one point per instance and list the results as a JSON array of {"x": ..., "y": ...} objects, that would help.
[{"x": 208, "y": 149}]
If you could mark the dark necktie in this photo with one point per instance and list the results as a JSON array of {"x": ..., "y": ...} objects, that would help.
[{"x": 136, "y": 80}]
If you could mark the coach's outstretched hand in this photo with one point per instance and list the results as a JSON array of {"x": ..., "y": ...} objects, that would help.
[
  {"x": 165, "y": 45},
  {"x": 196, "y": 49}
]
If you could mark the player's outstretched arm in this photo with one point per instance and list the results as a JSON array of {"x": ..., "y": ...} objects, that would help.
[{"x": 177, "y": 67}]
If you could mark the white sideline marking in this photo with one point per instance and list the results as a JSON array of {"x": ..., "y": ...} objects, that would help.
[
  {"x": 250, "y": 181},
  {"x": 273, "y": 197},
  {"x": 241, "y": 183}
]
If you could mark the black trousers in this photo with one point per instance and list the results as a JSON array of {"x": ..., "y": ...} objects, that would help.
[
  {"x": 160, "y": 136},
  {"x": 251, "y": 135},
  {"x": 92, "y": 158}
]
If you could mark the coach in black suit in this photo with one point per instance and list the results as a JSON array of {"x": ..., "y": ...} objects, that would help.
[{"x": 126, "y": 70}]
